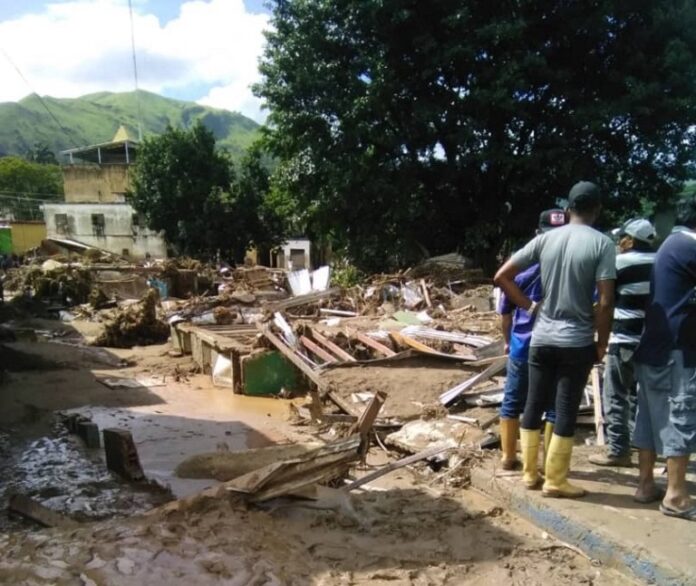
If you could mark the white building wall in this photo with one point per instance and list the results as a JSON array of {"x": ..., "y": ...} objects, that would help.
[
  {"x": 300, "y": 244},
  {"x": 120, "y": 233}
]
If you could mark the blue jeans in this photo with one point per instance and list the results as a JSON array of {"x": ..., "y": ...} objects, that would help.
[
  {"x": 619, "y": 400},
  {"x": 516, "y": 390}
]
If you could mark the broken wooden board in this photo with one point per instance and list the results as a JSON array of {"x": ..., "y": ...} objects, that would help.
[
  {"x": 289, "y": 476},
  {"x": 597, "y": 401},
  {"x": 303, "y": 299},
  {"x": 403, "y": 340},
  {"x": 375, "y": 345},
  {"x": 30, "y": 509},
  {"x": 332, "y": 347},
  {"x": 424, "y": 455},
  {"x": 317, "y": 350},
  {"x": 453, "y": 394},
  {"x": 290, "y": 354}
]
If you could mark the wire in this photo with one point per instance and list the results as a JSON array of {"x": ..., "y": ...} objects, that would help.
[
  {"x": 33, "y": 91},
  {"x": 135, "y": 72}
]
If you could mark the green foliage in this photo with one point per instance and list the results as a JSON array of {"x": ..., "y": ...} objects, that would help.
[
  {"x": 346, "y": 275},
  {"x": 41, "y": 153},
  {"x": 21, "y": 177},
  {"x": 188, "y": 189},
  {"x": 95, "y": 118},
  {"x": 405, "y": 128}
]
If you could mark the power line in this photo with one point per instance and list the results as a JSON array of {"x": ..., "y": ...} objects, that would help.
[
  {"x": 135, "y": 72},
  {"x": 33, "y": 91}
]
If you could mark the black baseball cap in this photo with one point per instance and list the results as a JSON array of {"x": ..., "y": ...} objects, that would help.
[
  {"x": 584, "y": 196},
  {"x": 550, "y": 219}
]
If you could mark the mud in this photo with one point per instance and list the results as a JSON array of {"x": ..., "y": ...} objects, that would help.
[
  {"x": 223, "y": 465},
  {"x": 413, "y": 385}
]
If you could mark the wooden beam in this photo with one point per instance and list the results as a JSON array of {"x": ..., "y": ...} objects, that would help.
[
  {"x": 364, "y": 424},
  {"x": 286, "y": 351},
  {"x": 375, "y": 345},
  {"x": 597, "y": 400},
  {"x": 303, "y": 299},
  {"x": 29, "y": 508},
  {"x": 452, "y": 394},
  {"x": 426, "y": 295},
  {"x": 312, "y": 347},
  {"x": 329, "y": 345},
  {"x": 429, "y": 453}
]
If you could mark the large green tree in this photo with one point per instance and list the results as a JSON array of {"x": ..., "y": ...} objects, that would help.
[
  {"x": 405, "y": 127},
  {"x": 189, "y": 190},
  {"x": 22, "y": 178}
]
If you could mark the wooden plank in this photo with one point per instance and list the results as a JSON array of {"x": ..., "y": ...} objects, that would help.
[
  {"x": 426, "y": 295},
  {"x": 403, "y": 340},
  {"x": 367, "y": 419},
  {"x": 375, "y": 345},
  {"x": 303, "y": 299},
  {"x": 343, "y": 404},
  {"x": 598, "y": 412},
  {"x": 312, "y": 347},
  {"x": 452, "y": 394},
  {"x": 284, "y": 349},
  {"x": 429, "y": 453},
  {"x": 29, "y": 508},
  {"x": 329, "y": 345},
  {"x": 339, "y": 312}
]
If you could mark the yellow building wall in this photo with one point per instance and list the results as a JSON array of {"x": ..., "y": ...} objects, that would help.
[
  {"x": 27, "y": 235},
  {"x": 95, "y": 183}
]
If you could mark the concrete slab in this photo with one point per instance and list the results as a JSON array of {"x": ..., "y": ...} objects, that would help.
[{"x": 606, "y": 524}]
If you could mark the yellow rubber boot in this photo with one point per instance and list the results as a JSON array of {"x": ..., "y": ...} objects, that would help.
[
  {"x": 509, "y": 431},
  {"x": 548, "y": 432},
  {"x": 557, "y": 468},
  {"x": 530, "y": 457}
]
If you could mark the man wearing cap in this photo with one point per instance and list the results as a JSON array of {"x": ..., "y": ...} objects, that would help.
[
  {"x": 633, "y": 268},
  {"x": 517, "y": 326},
  {"x": 574, "y": 260},
  {"x": 666, "y": 369}
]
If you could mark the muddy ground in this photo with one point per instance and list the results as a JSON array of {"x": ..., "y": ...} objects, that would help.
[{"x": 409, "y": 528}]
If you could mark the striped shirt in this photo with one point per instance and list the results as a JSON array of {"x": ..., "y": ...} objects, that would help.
[{"x": 633, "y": 270}]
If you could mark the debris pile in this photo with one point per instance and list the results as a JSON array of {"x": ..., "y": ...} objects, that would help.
[{"x": 135, "y": 325}]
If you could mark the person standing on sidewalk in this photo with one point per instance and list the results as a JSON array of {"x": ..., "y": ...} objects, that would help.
[
  {"x": 517, "y": 327},
  {"x": 574, "y": 260},
  {"x": 666, "y": 369},
  {"x": 633, "y": 268}
]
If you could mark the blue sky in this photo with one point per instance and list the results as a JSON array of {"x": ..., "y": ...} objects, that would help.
[{"x": 200, "y": 50}]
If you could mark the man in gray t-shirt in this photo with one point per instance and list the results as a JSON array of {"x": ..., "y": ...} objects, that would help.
[{"x": 574, "y": 260}]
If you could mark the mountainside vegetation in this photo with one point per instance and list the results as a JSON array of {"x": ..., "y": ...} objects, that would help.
[
  {"x": 94, "y": 119},
  {"x": 407, "y": 128}
]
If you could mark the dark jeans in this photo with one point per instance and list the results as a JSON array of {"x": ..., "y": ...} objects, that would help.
[
  {"x": 561, "y": 373},
  {"x": 619, "y": 399},
  {"x": 516, "y": 390}
]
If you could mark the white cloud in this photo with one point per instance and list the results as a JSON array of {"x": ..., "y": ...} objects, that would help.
[{"x": 82, "y": 46}]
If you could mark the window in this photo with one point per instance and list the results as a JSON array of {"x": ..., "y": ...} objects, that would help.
[
  {"x": 62, "y": 224},
  {"x": 98, "y": 225}
]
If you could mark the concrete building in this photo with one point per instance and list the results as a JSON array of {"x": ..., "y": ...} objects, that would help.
[{"x": 95, "y": 211}]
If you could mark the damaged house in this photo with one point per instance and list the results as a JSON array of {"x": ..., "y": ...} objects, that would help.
[{"x": 95, "y": 212}]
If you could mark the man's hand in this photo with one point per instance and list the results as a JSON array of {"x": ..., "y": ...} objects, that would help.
[
  {"x": 601, "y": 352},
  {"x": 506, "y": 349}
]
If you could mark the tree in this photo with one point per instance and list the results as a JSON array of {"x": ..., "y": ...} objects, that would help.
[
  {"x": 188, "y": 189},
  {"x": 404, "y": 128},
  {"x": 19, "y": 177},
  {"x": 41, "y": 153}
]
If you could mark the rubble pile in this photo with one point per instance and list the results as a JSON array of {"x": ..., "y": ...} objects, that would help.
[{"x": 135, "y": 325}]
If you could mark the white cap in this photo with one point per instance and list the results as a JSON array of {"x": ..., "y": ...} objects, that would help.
[{"x": 639, "y": 229}]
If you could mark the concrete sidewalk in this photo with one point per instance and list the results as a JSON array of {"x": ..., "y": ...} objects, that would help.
[{"x": 606, "y": 524}]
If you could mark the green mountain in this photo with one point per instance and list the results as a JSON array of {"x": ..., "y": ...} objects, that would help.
[{"x": 94, "y": 119}]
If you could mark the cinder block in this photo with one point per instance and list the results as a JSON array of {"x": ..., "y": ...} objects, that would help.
[
  {"x": 121, "y": 454},
  {"x": 89, "y": 432}
]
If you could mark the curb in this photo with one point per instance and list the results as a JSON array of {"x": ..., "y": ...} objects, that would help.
[{"x": 597, "y": 543}]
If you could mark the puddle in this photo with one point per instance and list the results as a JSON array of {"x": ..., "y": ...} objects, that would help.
[{"x": 60, "y": 473}]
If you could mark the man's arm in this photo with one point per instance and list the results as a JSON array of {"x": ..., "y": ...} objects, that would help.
[
  {"x": 505, "y": 279},
  {"x": 603, "y": 315},
  {"x": 506, "y": 327}
]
